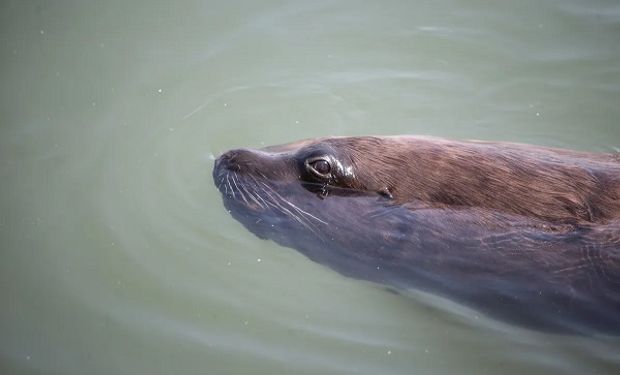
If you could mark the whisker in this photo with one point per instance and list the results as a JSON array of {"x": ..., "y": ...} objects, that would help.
[
  {"x": 263, "y": 190},
  {"x": 261, "y": 198},
  {"x": 299, "y": 219},
  {"x": 251, "y": 195},
  {"x": 222, "y": 185},
  {"x": 283, "y": 209},
  {"x": 230, "y": 186},
  {"x": 239, "y": 190},
  {"x": 384, "y": 211},
  {"x": 248, "y": 191},
  {"x": 304, "y": 212}
]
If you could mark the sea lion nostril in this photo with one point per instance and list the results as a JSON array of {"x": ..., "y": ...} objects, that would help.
[
  {"x": 233, "y": 167},
  {"x": 228, "y": 160},
  {"x": 229, "y": 155}
]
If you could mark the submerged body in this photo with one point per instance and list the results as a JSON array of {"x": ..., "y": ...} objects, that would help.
[{"x": 525, "y": 234}]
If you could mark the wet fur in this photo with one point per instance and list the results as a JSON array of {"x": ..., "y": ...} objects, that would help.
[
  {"x": 526, "y": 234},
  {"x": 551, "y": 184}
]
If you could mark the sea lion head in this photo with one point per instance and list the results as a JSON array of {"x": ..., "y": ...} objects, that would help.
[
  {"x": 326, "y": 166},
  {"x": 307, "y": 193}
]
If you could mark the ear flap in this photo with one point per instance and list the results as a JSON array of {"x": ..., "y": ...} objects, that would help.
[{"x": 386, "y": 193}]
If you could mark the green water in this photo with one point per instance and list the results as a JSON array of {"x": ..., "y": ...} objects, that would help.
[{"x": 117, "y": 256}]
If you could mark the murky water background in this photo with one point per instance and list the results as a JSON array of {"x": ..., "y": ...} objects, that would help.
[{"x": 117, "y": 256}]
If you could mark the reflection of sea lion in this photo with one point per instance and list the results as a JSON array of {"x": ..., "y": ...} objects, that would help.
[{"x": 526, "y": 234}]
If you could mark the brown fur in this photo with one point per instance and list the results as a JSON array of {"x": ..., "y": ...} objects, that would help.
[{"x": 556, "y": 185}]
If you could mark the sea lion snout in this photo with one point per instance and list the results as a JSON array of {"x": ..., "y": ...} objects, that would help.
[
  {"x": 236, "y": 160},
  {"x": 258, "y": 164}
]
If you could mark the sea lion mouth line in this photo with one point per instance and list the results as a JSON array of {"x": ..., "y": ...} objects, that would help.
[{"x": 257, "y": 194}]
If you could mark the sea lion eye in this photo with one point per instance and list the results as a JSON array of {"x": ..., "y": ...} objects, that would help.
[{"x": 321, "y": 166}]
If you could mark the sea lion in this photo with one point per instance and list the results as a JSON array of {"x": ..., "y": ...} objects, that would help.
[{"x": 525, "y": 234}]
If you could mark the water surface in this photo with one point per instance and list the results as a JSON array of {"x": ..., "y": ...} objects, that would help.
[{"x": 117, "y": 253}]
